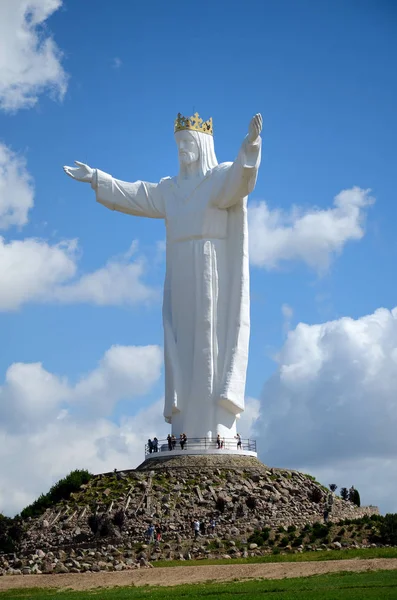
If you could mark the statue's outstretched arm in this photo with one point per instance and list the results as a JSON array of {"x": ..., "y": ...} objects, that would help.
[
  {"x": 240, "y": 176},
  {"x": 141, "y": 198}
]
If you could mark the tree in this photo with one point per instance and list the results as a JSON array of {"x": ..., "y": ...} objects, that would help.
[
  {"x": 10, "y": 534},
  {"x": 344, "y": 493},
  {"x": 333, "y": 487},
  {"x": 388, "y": 529},
  {"x": 354, "y": 496}
]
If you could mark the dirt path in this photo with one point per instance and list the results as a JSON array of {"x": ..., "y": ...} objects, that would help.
[{"x": 183, "y": 575}]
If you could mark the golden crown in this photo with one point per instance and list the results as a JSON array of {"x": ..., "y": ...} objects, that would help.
[{"x": 193, "y": 123}]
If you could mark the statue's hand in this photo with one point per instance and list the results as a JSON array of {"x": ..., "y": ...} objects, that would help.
[
  {"x": 255, "y": 127},
  {"x": 82, "y": 172}
]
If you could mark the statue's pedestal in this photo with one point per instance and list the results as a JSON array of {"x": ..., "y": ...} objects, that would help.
[
  {"x": 166, "y": 448},
  {"x": 199, "y": 452}
]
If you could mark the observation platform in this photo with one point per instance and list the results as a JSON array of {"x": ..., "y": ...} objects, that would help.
[{"x": 201, "y": 447}]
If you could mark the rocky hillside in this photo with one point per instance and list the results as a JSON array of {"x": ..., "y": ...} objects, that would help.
[{"x": 240, "y": 492}]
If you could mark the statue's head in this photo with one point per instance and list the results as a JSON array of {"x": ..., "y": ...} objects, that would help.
[
  {"x": 195, "y": 142},
  {"x": 188, "y": 150}
]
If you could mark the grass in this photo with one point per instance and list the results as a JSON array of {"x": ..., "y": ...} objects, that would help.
[
  {"x": 320, "y": 555},
  {"x": 336, "y": 586}
]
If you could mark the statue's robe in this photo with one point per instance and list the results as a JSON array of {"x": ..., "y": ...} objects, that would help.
[{"x": 206, "y": 292}]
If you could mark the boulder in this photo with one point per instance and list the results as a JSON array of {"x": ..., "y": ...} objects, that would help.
[
  {"x": 47, "y": 567},
  {"x": 60, "y": 568}
]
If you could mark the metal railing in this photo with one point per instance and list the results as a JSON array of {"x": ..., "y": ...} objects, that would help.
[{"x": 198, "y": 444}]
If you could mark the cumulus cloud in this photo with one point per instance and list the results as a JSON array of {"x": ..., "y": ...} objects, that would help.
[
  {"x": 30, "y": 60},
  {"x": 331, "y": 407},
  {"x": 122, "y": 369},
  {"x": 118, "y": 283},
  {"x": 16, "y": 188},
  {"x": 313, "y": 236},
  {"x": 248, "y": 418},
  {"x": 32, "y": 270},
  {"x": 43, "y": 431}
]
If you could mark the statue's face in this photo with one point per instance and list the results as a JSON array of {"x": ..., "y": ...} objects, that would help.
[{"x": 188, "y": 150}]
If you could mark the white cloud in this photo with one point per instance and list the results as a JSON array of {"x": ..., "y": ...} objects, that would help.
[
  {"x": 314, "y": 236},
  {"x": 116, "y": 63},
  {"x": 122, "y": 369},
  {"x": 287, "y": 312},
  {"x": 43, "y": 432},
  {"x": 248, "y": 418},
  {"x": 29, "y": 58},
  {"x": 118, "y": 282},
  {"x": 331, "y": 407},
  {"x": 16, "y": 189},
  {"x": 31, "y": 270}
]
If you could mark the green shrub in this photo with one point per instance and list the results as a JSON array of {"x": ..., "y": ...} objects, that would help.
[
  {"x": 94, "y": 523},
  {"x": 388, "y": 529},
  {"x": 297, "y": 542},
  {"x": 106, "y": 527},
  {"x": 320, "y": 531},
  {"x": 260, "y": 537},
  {"x": 10, "y": 534},
  {"x": 251, "y": 502},
  {"x": 59, "y": 491},
  {"x": 284, "y": 541},
  {"x": 315, "y": 495},
  {"x": 119, "y": 519},
  {"x": 376, "y": 518},
  {"x": 220, "y": 504},
  {"x": 344, "y": 493},
  {"x": 256, "y": 538}
]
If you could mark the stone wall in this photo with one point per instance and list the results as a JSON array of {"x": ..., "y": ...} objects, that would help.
[{"x": 240, "y": 492}]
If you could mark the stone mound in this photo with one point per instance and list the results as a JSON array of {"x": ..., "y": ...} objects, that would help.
[{"x": 239, "y": 491}]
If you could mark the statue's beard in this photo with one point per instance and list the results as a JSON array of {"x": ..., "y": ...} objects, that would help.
[{"x": 187, "y": 158}]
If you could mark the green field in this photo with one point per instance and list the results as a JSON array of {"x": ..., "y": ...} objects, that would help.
[
  {"x": 353, "y": 586},
  {"x": 298, "y": 557}
]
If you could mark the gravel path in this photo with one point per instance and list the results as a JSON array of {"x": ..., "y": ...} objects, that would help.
[{"x": 168, "y": 576}]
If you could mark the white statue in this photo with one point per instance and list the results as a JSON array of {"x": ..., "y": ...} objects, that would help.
[{"x": 206, "y": 291}]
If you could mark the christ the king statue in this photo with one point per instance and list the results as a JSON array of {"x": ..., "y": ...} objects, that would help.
[{"x": 206, "y": 290}]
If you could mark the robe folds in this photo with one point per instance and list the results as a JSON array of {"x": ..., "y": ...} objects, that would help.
[{"x": 206, "y": 290}]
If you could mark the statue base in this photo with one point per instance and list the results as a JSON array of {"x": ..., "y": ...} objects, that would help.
[
  {"x": 236, "y": 446},
  {"x": 166, "y": 454}
]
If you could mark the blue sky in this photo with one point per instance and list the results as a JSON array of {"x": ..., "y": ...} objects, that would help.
[{"x": 322, "y": 75}]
